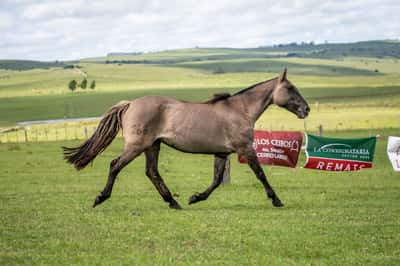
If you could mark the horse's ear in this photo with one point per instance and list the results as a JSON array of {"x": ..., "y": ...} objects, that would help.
[{"x": 283, "y": 75}]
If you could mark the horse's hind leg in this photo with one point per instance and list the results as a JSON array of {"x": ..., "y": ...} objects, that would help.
[
  {"x": 219, "y": 167},
  {"x": 130, "y": 152},
  {"x": 155, "y": 177}
]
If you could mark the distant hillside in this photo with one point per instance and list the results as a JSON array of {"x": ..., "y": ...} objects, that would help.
[
  {"x": 122, "y": 54},
  {"x": 378, "y": 49},
  {"x": 372, "y": 49},
  {"x": 28, "y": 64}
]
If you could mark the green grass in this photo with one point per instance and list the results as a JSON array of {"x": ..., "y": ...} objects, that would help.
[
  {"x": 372, "y": 49},
  {"x": 27, "y": 64},
  {"x": 37, "y": 81},
  {"x": 389, "y": 65},
  {"x": 116, "y": 78},
  {"x": 329, "y": 218},
  {"x": 185, "y": 55},
  {"x": 80, "y": 104},
  {"x": 276, "y": 66},
  {"x": 88, "y": 104}
]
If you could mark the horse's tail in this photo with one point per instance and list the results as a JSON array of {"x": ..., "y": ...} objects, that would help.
[{"x": 106, "y": 131}]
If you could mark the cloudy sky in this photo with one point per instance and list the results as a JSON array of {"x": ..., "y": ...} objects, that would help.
[{"x": 73, "y": 29}]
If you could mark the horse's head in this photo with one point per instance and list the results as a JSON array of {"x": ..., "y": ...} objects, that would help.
[{"x": 287, "y": 96}]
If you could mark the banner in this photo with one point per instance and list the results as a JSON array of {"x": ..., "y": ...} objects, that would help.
[
  {"x": 276, "y": 147},
  {"x": 333, "y": 154},
  {"x": 393, "y": 151}
]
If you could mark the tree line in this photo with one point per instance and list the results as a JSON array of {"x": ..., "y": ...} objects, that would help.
[{"x": 73, "y": 84}]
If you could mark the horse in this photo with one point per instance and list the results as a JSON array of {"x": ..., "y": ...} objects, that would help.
[{"x": 219, "y": 127}]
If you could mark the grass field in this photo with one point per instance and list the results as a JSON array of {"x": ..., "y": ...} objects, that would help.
[
  {"x": 29, "y": 95},
  {"x": 329, "y": 218}
]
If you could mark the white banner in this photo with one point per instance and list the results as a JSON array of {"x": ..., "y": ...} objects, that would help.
[{"x": 393, "y": 151}]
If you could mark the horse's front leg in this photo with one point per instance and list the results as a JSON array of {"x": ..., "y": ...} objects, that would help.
[
  {"x": 219, "y": 168},
  {"x": 259, "y": 172}
]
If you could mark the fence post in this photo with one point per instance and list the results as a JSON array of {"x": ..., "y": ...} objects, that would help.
[
  {"x": 320, "y": 129},
  {"x": 86, "y": 133},
  {"x": 226, "y": 180},
  {"x": 26, "y": 135}
]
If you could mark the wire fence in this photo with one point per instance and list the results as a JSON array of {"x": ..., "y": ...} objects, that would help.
[
  {"x": 81, "y": 130},
  {"x": 52, "y": 131},
  {"x": 27, "y": 134}
]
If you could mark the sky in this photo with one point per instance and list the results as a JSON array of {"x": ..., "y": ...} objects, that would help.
[{"x": 72, "y": 29}]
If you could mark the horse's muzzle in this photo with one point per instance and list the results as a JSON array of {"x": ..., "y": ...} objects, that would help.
[{"x": 303, "y": 112}]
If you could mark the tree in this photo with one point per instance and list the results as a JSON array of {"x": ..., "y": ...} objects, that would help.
[
  {"x": 72, "y": 85},
  {"x": 93, "y": 85},
  {"x": 83, "y": 83}
]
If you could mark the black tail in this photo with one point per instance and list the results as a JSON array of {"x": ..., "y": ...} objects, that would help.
[{"x": 106, "y": 131}]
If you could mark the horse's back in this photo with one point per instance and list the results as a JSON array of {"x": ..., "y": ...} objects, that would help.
[{"x": 187, "y": 126}]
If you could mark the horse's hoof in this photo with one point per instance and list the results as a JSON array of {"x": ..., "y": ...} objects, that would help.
[
  {"x": 277, "y": 203},
  {"x": 194, "y": 198},
  {"x": 175, "y": 206},
  {"x": 99, "y": 199}
]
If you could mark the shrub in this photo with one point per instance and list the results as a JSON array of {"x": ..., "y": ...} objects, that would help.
[
  {"x": 93, "y": 85},
  {"x": 72, "y": 85},
  {"x": 83, "y": 84}
]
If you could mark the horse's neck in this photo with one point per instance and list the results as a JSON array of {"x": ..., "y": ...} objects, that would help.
[{"x": 256, "y": 100}]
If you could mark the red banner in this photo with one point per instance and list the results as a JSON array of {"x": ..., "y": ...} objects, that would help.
[
  {"x": 277, "y": 147},
  {"x": 328, "y": 164}
]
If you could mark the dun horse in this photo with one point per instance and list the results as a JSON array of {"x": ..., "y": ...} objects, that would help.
[{"x": 220, "y": 126}]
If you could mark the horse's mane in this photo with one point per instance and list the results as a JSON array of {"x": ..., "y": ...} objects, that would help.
[
  {"x": 219, "y": 97},
  {"x": 252, "y": 86},
  {"x": 224, "y": 95}
]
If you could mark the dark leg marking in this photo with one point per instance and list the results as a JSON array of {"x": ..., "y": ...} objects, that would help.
[
  {"x": 155, "y": 177},
  {"x": 219, "y": 167},
  {"x": 259, "y": 172}
]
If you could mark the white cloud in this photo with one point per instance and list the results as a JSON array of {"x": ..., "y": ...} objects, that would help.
[
  {"x": 69, "y": 29},
  {"x": 6, "y": 21}
]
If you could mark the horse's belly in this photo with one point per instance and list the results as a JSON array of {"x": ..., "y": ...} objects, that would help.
[
  {"x": 197, "y": 142},
  {"x": 196, "y": 128}
]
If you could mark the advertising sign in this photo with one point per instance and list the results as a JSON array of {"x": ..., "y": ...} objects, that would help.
[
  {"x": 334, "y": 154},
  {"x": 277, "y": 147},
  {"x": 393, "y": 151}
]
